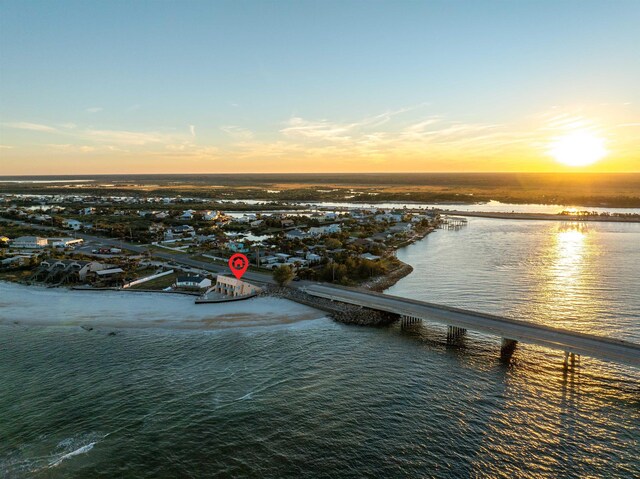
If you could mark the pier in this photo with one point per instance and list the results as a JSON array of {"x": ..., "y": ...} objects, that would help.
[{"x": 511, "y": 331}]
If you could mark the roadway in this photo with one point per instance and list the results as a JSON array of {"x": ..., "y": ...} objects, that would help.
[
  {"x": 179, "y": 258},
  {"x": 609, "y": 349}
]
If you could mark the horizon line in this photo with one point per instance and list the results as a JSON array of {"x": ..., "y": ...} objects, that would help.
[{"x": 340, "y": 173}]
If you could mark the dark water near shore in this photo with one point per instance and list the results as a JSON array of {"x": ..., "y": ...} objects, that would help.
[{"x": 318, "y": 399}]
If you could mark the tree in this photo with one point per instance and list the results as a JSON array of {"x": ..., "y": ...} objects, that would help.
[
  {"x": 332, "y": 243},
  {"x": 283, "y": 274}
]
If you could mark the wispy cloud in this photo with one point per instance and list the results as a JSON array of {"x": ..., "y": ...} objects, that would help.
[
  {"x": 123, "y": 137},
  {"x": 237, "y": 132},
  {"x": 94, "y": 109},
  {"x": 69, "y": 148},
  {"x": 299, "y": 128},
  {"x": 24, "y": 125},
  {"x": 6, "y": 147},
  {"x": 402, "y": 139}
]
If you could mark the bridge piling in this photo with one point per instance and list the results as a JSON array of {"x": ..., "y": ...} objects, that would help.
[
  {"x": 407, "y": 320},
  {"x": 605, "y": 348},
  {"x": 507, "y": 348},
  {"x": 570, "y": 360},
  {"x": 454, "y": 334}
]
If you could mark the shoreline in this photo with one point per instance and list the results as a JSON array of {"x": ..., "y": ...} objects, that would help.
[
  {"x": 107, "y": 310},
  {"x": 384, "y": 282},
  {"x": 541, "y": 216}
]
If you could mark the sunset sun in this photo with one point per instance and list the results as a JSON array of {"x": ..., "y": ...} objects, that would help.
[{"x": 577, "y": 149}]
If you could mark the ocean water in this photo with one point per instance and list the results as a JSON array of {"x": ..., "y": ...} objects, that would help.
[{"x": 306, "y": 397}]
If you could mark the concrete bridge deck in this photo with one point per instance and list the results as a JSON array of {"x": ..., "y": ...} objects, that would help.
[{"x": 605, "y": 348}]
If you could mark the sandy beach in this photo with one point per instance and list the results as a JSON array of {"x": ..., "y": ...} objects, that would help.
[{"x": 34, "y": 305}]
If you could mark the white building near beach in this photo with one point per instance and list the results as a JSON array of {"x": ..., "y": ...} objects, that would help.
[
  {"x": 233, "y": 287},
  {"x": 29, "y": 242}
]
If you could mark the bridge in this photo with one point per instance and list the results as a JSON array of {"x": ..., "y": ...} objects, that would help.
[{"x": 510, "y": 330}]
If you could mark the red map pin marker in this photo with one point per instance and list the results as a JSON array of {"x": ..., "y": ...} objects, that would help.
[{"x": 238, "y": 264}]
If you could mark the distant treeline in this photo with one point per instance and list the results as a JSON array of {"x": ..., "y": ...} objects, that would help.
[{"x": 578, "y": 189}]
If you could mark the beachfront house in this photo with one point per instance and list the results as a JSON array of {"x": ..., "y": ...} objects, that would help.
[
  {"x": 69, "y": 270},
  {"x": 15, "y": 261},
  {"x": 193, "y": 282},
  {"x": 232, "y": 287},
  {"x": 110, "y": 275}
]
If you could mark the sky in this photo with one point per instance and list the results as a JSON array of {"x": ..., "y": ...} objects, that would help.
[{"x": 306, "y": 86}]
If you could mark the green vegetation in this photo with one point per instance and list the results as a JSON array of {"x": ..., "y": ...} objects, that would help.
[
  {"x": 13, "y": 230},
  {"x": 283, "y": 275},
  {"x": 351, "y": 270},
  {"x": 158, "y": 283},
  {"x": 587, "y": 189},
  {"x": 22, "y": 273}
]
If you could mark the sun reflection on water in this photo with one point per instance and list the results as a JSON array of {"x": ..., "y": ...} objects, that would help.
[{"x": 568, "y": 276}]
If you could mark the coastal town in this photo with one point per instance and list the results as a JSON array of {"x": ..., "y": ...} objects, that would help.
[{"x": 152, "y": 242}]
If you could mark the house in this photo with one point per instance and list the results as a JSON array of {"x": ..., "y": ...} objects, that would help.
[
  {"x": 109, "y": 275},
  {"x": 256, "y": 223},
  {"x": 419, "y": 218},
  {"x": 401, "y": 228},
  {"x": 210, "y": 215},
  {"x": 72, "y": 224},
  {"x": 179, "y": 232},
  {"x": 15, "y": 261},
  {"x": 4, "y": 240},
  {"x": 187, "y": 215},
  {"x": 201, "y": 239},
  {"x": 324, "y": 230},
  {"x": 362, "y": 242},
  {"x": 313, "y": 258},
  {"x": 29, "y": 242},
  {"x": 162, "y": 215},
  {"x": 287, "y": 223},
  {"x": 87, "y": 211},
  {"x": 238, "y": 247},
  {"x": 297, "y": 261},
  {"x": 233, "y": 287},
  {"x": 40, "y": 218},
  {"x": 64, "y": 242},
  {"x": 71, "y": 268},
  {"x": 266, "y": 260},
  {"x": 380, "y": 237},
  {"x": 156, "y": 227},
  {"x": 196, "y": 281},
  {"x": 296, "y": 234},
  {"x": 369, "y": 256},
  {"x": 391, "y": 217}
]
